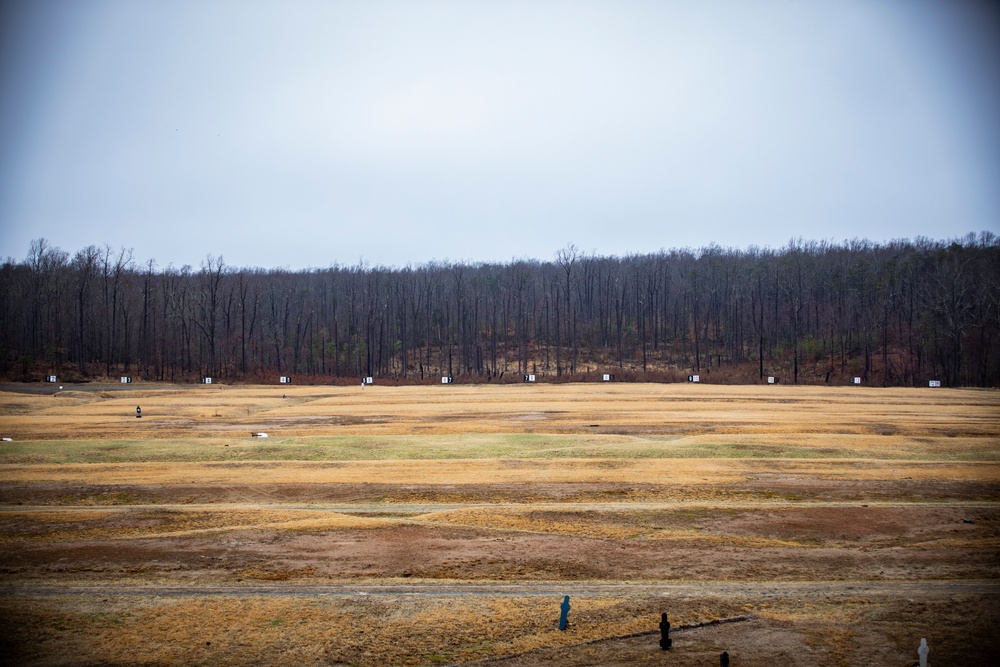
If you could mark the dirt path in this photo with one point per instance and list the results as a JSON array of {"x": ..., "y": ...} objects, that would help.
[
  {"x": 921, "y": 589},
  {"x": 424, "y": 508}
]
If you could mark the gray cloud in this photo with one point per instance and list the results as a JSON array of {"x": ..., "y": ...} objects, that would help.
[{"x": 312, "y": 133}]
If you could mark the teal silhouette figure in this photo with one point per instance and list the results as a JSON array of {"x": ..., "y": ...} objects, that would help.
[{"x": 565, "y": 612}]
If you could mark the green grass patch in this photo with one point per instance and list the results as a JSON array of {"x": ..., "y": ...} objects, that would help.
[
  {"x": 466, "y": 446},
  {"x": 758, "y": 451}
]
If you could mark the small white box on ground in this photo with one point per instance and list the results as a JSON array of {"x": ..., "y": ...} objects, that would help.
[
  {"x": 934, "y": 383},
  {"x": 770, "y": 379},
  {"x": 694, "y": 378},
  {"x": 369, "y": 380},
  {"x": 607, "y": 377},
  {"x": 856, "y": 380}
]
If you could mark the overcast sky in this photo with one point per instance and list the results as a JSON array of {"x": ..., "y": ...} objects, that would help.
[{"x": 306, "y": 134}]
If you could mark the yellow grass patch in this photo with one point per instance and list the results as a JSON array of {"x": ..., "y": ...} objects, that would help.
[
  {"x": 591, "y": 525},
  {"x": 932, "y": 454},
  {"x": 479, "y": 471},
  {"x": 324, "y": 631},
  {"x": 670, "y": 409}
]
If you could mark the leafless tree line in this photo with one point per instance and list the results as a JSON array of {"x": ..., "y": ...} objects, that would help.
[{"x": 894, "y": 314}]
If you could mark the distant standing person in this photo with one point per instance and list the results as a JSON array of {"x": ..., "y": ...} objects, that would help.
[
  {"x": 138, "y": 412},
  {"x": 362, "y": 384},
  {"x": 665, "y": 641},
  {"x": 563, "y": 617}
]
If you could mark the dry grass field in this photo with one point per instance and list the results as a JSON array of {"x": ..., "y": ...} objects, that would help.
[{"x": 443, "y": 525}]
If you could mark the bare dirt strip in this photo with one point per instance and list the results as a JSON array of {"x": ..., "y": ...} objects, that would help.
[{"x": 443, "y": 525}]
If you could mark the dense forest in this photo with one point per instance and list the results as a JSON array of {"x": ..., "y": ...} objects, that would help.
[{"x": 896, "y": 314}]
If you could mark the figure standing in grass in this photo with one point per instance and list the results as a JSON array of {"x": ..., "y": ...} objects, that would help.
[
  {"x": 138, "y": 412},
  {"x": 665, "y": 640},
  {"x": 565, "y": 612}
]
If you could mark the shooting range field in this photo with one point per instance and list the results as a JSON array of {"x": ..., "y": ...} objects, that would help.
[{"x": 443, "y": 524}]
